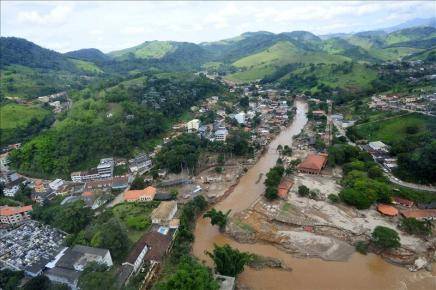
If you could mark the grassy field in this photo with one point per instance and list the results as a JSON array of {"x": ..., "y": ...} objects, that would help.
[
  {"x": 15, "y": 115},
  {"x": 395, "y": 128},
  {"x": 151, "y": 49},
  {"x": 135, "y": 213},
  {"x": 86, "y": 66}
]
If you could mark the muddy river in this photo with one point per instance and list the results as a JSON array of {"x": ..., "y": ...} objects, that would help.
[{"x": 360, "y": 272}]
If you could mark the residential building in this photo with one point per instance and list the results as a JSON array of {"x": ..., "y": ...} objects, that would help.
[
  {"x": 221, "y": 135},
  {"x": 387, "y": 210},
  {"x": 14, "y": 215},
  {"x": 84, "y": 176},
  {"x": 69, "y": 263},
  {"x": 284, "y": 187},
  {"x": 420, "y": 214},
  {"x": 240, "y": 118},
  {"x": 402, "y": 201},
  {"x": 39, "y": 186},
  {"x": 145, "y": 194},
  {"x": 56, "y": 184},
  {"x": 152, "y": 248},
  {"x": 140, "y": 164},
  {"x": 163, "y": 214},
  {"x": 9, "y": 176},
  {"x": 106, "y": 167},
  {"x": 11, "y": 191},
  {"x": 313, "y": 164},
  {"x": 378, "y": 147},
  {"x": 193, "y": 125}
]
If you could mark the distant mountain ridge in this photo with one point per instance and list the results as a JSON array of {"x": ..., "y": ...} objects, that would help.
[{"x": 88, "y": 54}]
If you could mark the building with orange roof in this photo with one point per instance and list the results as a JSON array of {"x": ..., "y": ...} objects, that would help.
[
  {"x": 402, "y": 201},
  {"x": 313, "y": 164},
  {"x": 387, "y": 210},
  {"x": 420, "y": 214},
  {"x": 39, "y": 186},
  {"x": 284, "y": 187},
  {"x": 14, "y": 215},
  {"x": 145, "y": 194}
]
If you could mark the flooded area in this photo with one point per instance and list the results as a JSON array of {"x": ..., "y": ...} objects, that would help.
[{"x": 359, "y": 272}]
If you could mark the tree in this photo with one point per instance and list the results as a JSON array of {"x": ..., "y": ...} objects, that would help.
[
  {"x": 385, "y": 238},
  {"x": 9, "y": 280},
  {"x": 189, "y": 275},
  {"x": 138, "y": 183},
  {"x": 37, "y": 283},
  {"x": 416, "y": 227},
  {"x": 73, "y": 217},
  {"x": 217, "y": 217},
  {"x": 333, "y": 198},
  {"x": 229, "y": 261},
  {"x": 113, "y": 236},
  {"x": 362, "y": 247},
  {"x": 303, "y": 190},
  {"x": 96, "y": 276},
  {"x": 271, "y": 193},
  {"x": 244, "y": 102}
]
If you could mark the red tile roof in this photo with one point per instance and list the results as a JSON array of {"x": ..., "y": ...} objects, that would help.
[
  {"x": 387, "y": 210},
  {"x": 284, "y": 188},
  {"x": 8, "y": 210},
  {"x": 419, "y": 213},
  {"x": 314, "y": 162},
  {"x": 403, "y": 201},
  {"x": 133, "y": 195}
]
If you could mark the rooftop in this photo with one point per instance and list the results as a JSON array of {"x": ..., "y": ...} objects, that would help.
[
  {"x": 387, "y": 210},
  {"x": 314, "y": 161},
  {"x": 419, "y": 213},
  {"x": 163, "y": 210},
  {"x": 132, "y": 195},
  {"x": 9, "y": 210}
]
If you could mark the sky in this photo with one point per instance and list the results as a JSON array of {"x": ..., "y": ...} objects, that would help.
[{"x": 108, "y": 26}]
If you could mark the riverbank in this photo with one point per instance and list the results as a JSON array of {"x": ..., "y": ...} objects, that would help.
[{"x": 358, "y": 272}]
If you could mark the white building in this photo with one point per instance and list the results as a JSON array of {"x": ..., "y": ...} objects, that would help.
[
  {"x": 240, "y": 118},
  {"x": 221, "y": 135},
  {"x": 106, "y": 167},
  {"x": 193, "y": 125},
  {"x": 11, "y": 191},
  {"x": 378, "y": 146},
  {"x": 56, "y": 184}
]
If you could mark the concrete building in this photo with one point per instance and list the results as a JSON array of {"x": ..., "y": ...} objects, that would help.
[
  {"x": 14, "y": 215},
  {"x": 163, "y": 214},
  {"x": 69, "y": 263},
  {"x": 56, "y": 184},
  {"x": 378, "y": 147},
  {"x": 226, "y": 282},
  {"x": 140, "y": 164},
  {"x": 193, "y": 125},
  {"x": 240, "y": 118},
  {"x": 221, "y": 135},
  {"x": 106, "y": 167}
]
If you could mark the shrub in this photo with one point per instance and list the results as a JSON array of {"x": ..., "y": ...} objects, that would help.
[
  {"x": 362, "y": 247},
  {"x": 333, "y": 198}
]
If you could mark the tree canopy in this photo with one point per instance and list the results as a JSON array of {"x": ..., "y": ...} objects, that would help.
[{"x": 229, "y": 261}]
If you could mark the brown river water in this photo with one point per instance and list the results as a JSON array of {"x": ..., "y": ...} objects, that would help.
[{"x": 360, "y": 272}]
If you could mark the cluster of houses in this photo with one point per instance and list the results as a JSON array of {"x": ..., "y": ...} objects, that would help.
[
  {"x": 59, "y": 101},
  {"x": 407, "y": 209},
  {"x": 424, "y": 103}
]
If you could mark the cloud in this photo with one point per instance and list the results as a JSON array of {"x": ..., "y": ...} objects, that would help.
[
  {"x": 132, "y": 30},
  {"x": 57, "y": 15}
]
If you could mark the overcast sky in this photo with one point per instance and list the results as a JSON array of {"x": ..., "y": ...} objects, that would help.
[{"x": 65, "y": 26}]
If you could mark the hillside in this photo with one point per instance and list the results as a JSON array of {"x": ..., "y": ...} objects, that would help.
[{"x": 88, "y": 54}]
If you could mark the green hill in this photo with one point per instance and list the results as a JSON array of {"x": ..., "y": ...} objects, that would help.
[
  {"x": 88, "y": 54},
  {"x": 146, "y": 50}
]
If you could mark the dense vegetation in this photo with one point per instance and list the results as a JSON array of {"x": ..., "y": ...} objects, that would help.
[
  {"x": 229, "y": 261},
  {"x": 272, "y": 181}
]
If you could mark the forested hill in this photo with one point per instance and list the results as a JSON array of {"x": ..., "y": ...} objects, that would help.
[
  {"x": 22, "y": 52},
  {"x": 89, "y": 54}
]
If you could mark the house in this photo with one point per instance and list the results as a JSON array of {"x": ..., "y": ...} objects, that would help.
[
  {"x": 164, "y": 212},
  {"x": 9, "y": 177},
  {"x": 145, "y": 194},
  {"x": 318, "y": 112},
  {"x": 11, "y": 191},
  {"x": 221, "y": 135},
  {"x": 420, "y": 214},
  {"x": 39, "y": 186},
  {"x": 240, "y": 118},
  {"x": 313, "y": 164},
  {"x": 14, "y": 215},
  {"x": 284, "y": 187},
  {"x": 84, "y": 176},
  {"x": 378, "y": 147},
  {"x": 140, "y": 164},
  {"x": 431, "y": 205},
  {"x": 106, "y": 167},
  {"x": 56, "y": 184},
  {"x": 402, "y": 201},
  {"x": 152, "y": 247},
  {"x": 387, "y": 210},
  {"x": 193, "y": 125},
  {"x": 69, "y": 263}
]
